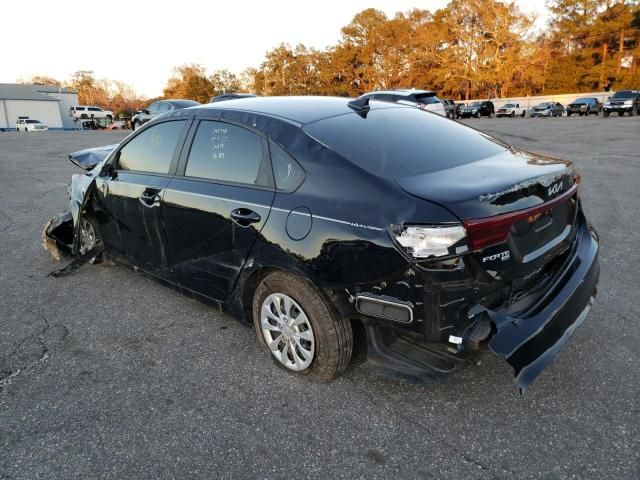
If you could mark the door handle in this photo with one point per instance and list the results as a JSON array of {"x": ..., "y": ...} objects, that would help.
[
  {"x": 149, "y": 199},
  {"x": 244, "y": 217}
]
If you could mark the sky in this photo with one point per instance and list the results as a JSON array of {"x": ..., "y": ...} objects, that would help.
[{"x": 140, "y": 41}]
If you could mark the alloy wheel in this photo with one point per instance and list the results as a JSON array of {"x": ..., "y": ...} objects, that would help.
[
  {"x": 88, "y": 238},
  {"x": 287, "y": 331}
]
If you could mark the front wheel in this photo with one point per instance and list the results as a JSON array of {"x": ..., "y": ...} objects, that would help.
[
  {"x": 299, "y": 330},
  {"x": 606, "y": 113},
  {"x": 89, "y": 237}
]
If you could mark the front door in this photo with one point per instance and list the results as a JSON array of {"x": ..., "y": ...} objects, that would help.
[
  {"x": 132, "y": 195},
  {"x": 215, "y": 210}
]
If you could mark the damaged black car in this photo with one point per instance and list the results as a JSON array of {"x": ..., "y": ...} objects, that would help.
[{"x": 308, "y": 216}]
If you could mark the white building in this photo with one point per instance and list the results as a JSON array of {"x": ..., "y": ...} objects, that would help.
[{"x": 47, "y": 103}]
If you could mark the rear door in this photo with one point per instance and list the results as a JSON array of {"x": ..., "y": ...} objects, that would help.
[
  {"x": 216, "y": 206},
  {"x": 132, "y": 193}
]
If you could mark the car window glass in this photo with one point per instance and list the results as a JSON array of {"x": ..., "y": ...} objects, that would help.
[
  {"x": 288, "y": 173},
  {"x": 94, "y": 109},
  {"x": 153, "y": 107},
  {"x": 427, "y": 98},
  {"x": 152, "y": 150},
  {"x": 402, "y": 142},
  {"x": 163, "y": 107},
  {"x": 226, "y": 152}
]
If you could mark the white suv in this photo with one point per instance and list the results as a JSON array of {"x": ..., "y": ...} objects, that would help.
[
  {"x": 30, "y": 125},
  {"x": 82, "y": 112}
]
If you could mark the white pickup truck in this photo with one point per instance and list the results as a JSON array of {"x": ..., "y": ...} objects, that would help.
[
  {"x": 511, "y": 109},
  {"x": 83, "y": 111}
]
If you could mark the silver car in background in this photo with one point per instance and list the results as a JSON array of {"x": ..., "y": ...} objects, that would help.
[{"x": 158, "y": 108}]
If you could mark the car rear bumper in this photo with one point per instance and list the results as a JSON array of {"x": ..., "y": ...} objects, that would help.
[
  {"x": 529, "y": 340},
  {"x": 528, "y": 334}
]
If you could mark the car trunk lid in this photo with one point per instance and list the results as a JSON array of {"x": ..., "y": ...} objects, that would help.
[{"x": 519, "y": 209}]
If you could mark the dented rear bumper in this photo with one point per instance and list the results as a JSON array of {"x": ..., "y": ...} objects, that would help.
[{"x": 530, "y": 339}]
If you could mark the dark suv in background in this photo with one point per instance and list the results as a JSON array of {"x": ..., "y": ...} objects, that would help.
[
  {"x": 478, "y": 109},
  {"x": 624, "y": 101},
  {"x": 584, "y": 106}
]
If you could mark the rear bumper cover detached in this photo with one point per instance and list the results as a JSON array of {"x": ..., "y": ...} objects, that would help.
[
  {"x": 528, "y": 334},
  {"x": 529, "y": 340}
]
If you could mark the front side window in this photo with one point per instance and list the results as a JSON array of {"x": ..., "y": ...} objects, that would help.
[
  {"x": 226, "y": 152},
  {"x": 152, "y": 150},
  {"x": 95, "y": 109}
]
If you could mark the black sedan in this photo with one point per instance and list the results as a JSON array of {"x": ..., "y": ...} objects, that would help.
[{"x": 307, "y": 216}]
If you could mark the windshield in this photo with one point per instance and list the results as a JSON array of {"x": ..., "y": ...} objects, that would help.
[
  {"x": 402, "y": 142},
  {"x": 545, "y": 105},
  {"x": 476, "y": 104},
  {"x": 583, "y": 100},
  {"x": 509, "y": 105},
  {"x": 625, "y": 94},
  {"x": 32, "y": 121}
]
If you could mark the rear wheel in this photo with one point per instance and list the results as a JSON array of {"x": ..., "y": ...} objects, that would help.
[{"x": 299, "y": 330}]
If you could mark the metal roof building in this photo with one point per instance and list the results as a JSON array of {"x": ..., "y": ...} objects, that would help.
[{"x": 47, "y": 103}]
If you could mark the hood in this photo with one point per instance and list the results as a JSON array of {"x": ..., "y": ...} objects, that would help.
[
  {"x": 512, "y": 180},
  {"x": 90, "y": 157}
]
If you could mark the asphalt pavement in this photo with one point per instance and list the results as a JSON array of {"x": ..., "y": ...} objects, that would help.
[{"x": 107, "y": 374}]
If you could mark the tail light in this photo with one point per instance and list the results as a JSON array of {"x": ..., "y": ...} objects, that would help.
[{"x": 485, "y": 232}]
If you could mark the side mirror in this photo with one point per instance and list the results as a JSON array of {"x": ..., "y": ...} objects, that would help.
[{"x": 146, "y": 112}]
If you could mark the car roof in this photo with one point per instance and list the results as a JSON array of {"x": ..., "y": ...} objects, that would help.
[
  {"x": 404, "y": 92},
  {"x": 300, "y": 110}
]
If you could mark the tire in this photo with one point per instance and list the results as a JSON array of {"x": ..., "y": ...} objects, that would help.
[
  {"x": 84, "y": 116},
  {"x": 136, "y": 125},
  {"x": 89, "y": 237},
  {"x": 605, "y": 113},
  {"x": 633, "y": 112},
  {"x": 513, "y": 115},
  {"x": 325, "y": 339}
]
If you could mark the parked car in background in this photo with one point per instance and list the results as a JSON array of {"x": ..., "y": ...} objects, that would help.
[
  {"x": 158, "y": 108},
  {"x": 511, "y": 110},
  {"x": 547, "y": 109},
  {"x": 230, "y": 96},
  {"x": 478, "y": 109},
  {"x": 459, "y": 107},
  {"x": 584, "y": 106},
  {"x": 30, "y": 125},
  {"x": 266, "y": 209},
  {"x": 83, "y": 111},
  {"x": 624, "y": 101},
  {"x": 450, "y": 108},
  {"x": 423, "y": 99}
]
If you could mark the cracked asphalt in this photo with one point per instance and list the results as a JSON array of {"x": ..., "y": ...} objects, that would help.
[{"x": 106, "y": 374}]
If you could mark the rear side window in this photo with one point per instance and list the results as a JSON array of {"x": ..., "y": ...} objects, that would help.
[
  {"x": 152, "y": 150},
  {"x": 287, "y": 172},
  {"x": 226, "y": 152},
  {"x": 427, "y": 98},
  {"x": 94, "y": 109},
  {"x": 402, "y": 142}
]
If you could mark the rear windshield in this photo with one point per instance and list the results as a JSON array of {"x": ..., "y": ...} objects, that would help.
[
  {"x": 185, "y": 103},
  {"x": 625, "y": 94},
  {"x": 402, "y": 142},
  {"x": 427, "y": 98}
]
